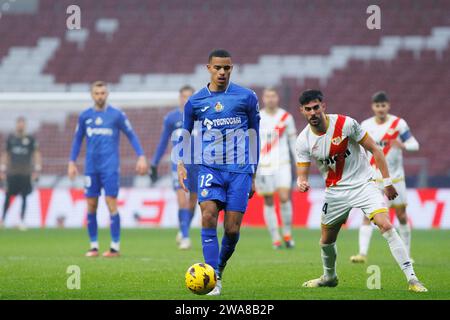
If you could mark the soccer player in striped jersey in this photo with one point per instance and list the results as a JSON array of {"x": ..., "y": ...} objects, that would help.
[
  {"x": 278, "y": 135},
  {"x": 393, "y": 136},
  {"x": 101, "y": 125},
  {"x": 173, "y": 124},
  {"x": 337, "y": 143}
]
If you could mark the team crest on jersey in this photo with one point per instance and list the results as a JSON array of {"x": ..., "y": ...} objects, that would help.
[
  {"x": 336, "y": 141},
  {"x": 218, "y": 107},
  {"x": 25, "y": 141},
  {"x": 98, "y": 121},
  {"x": 204, "y": 192}
]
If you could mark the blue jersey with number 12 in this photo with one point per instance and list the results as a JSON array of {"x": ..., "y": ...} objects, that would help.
[{"x": 222, "y": 117}]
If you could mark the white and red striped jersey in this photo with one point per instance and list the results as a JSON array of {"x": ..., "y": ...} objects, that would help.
[
  {"x": 278, "y": 133},
  {"x": 394, "y": 128},
  {"x": 340, "y": 158}
]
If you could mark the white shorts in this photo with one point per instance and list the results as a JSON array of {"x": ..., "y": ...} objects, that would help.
[
  {"x": 401, "y": 199},
  {"x": 267, "y": 182},
  {"x": 338, "y": 203}
]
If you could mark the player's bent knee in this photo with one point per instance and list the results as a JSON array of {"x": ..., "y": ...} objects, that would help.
[
  {"x": 284, "y": 195},
  {"x": 401, "y": 215},
  {"x": 209, "y": 218},
  {"x": 268, "y": 200},
  {"x": 384, "y": 226}
]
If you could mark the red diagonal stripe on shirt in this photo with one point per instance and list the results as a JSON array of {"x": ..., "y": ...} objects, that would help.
[
  {"x": 388, "y": 137},
  {"x": 280, "y": 127},
  {"x": 334, "y": 177}
]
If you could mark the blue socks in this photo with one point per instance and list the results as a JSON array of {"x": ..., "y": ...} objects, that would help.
[
  {"x": 210, "y": 246},
  {"x": 228, "y": 246},
  {"x": 185, "y": 218},
  {"x": 92, "y": 227},
  {"x": 115, "y": 228},
  {"x": 93, "y": 230}
]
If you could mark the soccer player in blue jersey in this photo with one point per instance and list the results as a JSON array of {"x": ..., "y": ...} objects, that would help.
[
  {"x": 173, "y": 124},
  {"x": 227, "y": 115},
  {"x": 101, "y": 125}
]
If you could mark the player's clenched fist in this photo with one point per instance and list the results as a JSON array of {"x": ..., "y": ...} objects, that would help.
[
  {"x": 303, "y": 185},
  {"x": 390, "y": 192},
  {"x": 72, "y": 170},
  {"x": 141, "y": 166}
]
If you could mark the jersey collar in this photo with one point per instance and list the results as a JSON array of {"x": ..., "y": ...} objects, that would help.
[
  {"x": 226, "y": 89},
  {"x": 106, "y": 108}
]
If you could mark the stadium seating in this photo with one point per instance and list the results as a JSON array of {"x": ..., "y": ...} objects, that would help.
[{"x": 280, "y": 43}]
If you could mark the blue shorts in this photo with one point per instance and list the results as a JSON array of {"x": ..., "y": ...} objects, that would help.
[
  {"x": 94, "y": 182},
  {"x": 230, "y": 188},
  {"x": 190, "y": 182}
]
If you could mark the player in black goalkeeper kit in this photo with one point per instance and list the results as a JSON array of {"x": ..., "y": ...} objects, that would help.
[{"x": 20, "y": 164}]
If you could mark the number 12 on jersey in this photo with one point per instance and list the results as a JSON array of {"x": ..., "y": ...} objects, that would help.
[{"x": 206, "y": 180}]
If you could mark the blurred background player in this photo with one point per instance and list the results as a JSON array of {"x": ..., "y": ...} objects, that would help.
[
  {"x": 21, "y": 163},
  {"x": 173, "y": 123},
  {"x": 224, "y": 111},
  {"x": 278, "y": 135},
  {"x": 101, "y": 125},
  {"x": 393, "y": 136},
  {"x": 336, "y": 143}
]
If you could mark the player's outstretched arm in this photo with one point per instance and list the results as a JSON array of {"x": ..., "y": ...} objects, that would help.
[
  {"x": 370, "y": 145},
  {"x": 182, "y": 175},
  {"x": 302, "y": 177}
]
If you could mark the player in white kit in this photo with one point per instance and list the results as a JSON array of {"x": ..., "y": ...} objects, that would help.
[
  {"x": 393, "y": 136},
  {"x": 337, "y": 143},
  {"x": 277, "y": 136}
]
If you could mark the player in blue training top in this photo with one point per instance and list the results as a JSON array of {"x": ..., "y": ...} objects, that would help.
[
  {"x": 227, "y": 115},
  {"x": 173, "y": 124},
  {"x": 101, "y": 125}
]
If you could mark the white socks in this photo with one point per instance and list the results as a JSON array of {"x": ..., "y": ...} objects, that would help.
[
  {"x": 115, "y": 246},
  {"x": 329, "y": 253},
  {"x": 400, "y": 254},
  {"x": 404, "y": 230},
  {"x": 365, "y": 234},
  {"x": 271, "y": 221},
  {"x": 94, "y": 245},
  {"x": 286, "y": 215}
]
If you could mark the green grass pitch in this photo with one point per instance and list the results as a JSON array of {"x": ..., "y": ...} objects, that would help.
[{"x": 33, "y": 265}]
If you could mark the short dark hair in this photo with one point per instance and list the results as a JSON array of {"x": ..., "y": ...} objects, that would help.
[
  {"x": 219, "y": 53},
  {"x": 186, "y": 87},
  {"x": 310, "y": 95},
  {"x": 379, "y": 97}
]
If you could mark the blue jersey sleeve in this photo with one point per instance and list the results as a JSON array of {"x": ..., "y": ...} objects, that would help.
[
  {"x": 127, "y": 129},
  {"x": 253, "y": 123},
  {"x": 188, "y": 117},
  {"x": 163, "y": 141},
  {"x": 78, "y": 139}
]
